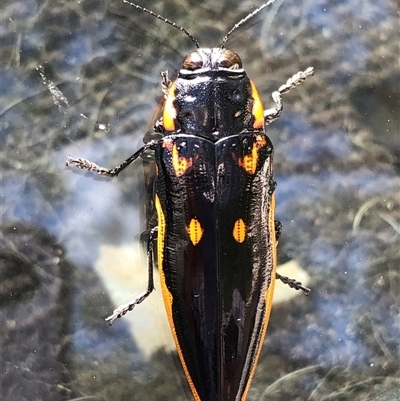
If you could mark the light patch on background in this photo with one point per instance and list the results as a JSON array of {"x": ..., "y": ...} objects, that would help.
[
  {"x": 283, "y": 292},
  {"x": 123, "y": 272}
]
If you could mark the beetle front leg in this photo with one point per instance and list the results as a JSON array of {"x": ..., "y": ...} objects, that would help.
[
  {"x": 85, "y": 164},
  {"x": 271, "y": 115},
  {"x": 165, "y": 83},
  {"x": 123, "y": 309}
]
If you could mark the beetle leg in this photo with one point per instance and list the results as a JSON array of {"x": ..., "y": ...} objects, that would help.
[
  {"x": 158, "y": 126},
  {"x": 165, "y": 83},
  {"x": 292, "y": 283},
  {"x": 88, "y": 165},
  {"x": 123, "y": 309},
  {"x": 278, "y": 229},
  {"x": 271, "y": 115}
]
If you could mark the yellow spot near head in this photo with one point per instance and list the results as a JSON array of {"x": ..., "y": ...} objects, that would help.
[
  {"x": 195, "y": 231},
  {"x": 239, "y": 231},
  {"x": 169, "y": 113},
  {"x": 258, "y": 108}
]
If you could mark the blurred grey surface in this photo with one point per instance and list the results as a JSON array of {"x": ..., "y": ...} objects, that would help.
[{"x": 83, "y": 78}]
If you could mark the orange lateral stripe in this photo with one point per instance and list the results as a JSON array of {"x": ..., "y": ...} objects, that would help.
[
  {"x": 169, "y": 114},
  {"x": 258, "y": 108},
  {"x": 167, "y": 295},
  {"x": 239, "y": 231},
  {"x": 195, "y": 231},
  {"x": 268, "y": 296}
]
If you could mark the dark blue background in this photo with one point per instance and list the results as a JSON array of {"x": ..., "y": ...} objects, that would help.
[{"x": 70, "y": 240}]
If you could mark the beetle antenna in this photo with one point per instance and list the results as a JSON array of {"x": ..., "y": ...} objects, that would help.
[
  {"x": 166, "y": 20},
  {"x": 242, "y": 21}
]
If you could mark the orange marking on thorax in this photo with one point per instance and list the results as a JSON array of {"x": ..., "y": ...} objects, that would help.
[
  {"x": 258, "y": 109},
  {"x": 169, "y": 113}
]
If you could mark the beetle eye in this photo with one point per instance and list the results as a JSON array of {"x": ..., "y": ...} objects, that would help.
[
  {"x": 192, "y": 62},
  {"x": 231, "y": 60}
]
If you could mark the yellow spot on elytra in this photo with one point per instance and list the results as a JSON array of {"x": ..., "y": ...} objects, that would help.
[
  {"x": 239, "y": 231},
  {"x": 195, "y": 231},
  {"x": 258, "y": 108},
  {"x": 169, "y": 113}
]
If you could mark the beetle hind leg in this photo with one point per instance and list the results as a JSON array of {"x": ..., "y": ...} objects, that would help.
[
  {"x": 123, "y": 309},
  {"x": 292, "y": 283}
]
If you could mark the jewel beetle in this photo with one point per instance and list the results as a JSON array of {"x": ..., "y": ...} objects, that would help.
[{"x": 216, "y": 232}]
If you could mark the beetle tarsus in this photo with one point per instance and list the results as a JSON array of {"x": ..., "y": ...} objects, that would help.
[
  {"x": 271, "y": 115},
  {"x": 124, "y": 309},
  {"x": 292, "y": 283},
  {"x": 85, "y": 164}
]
